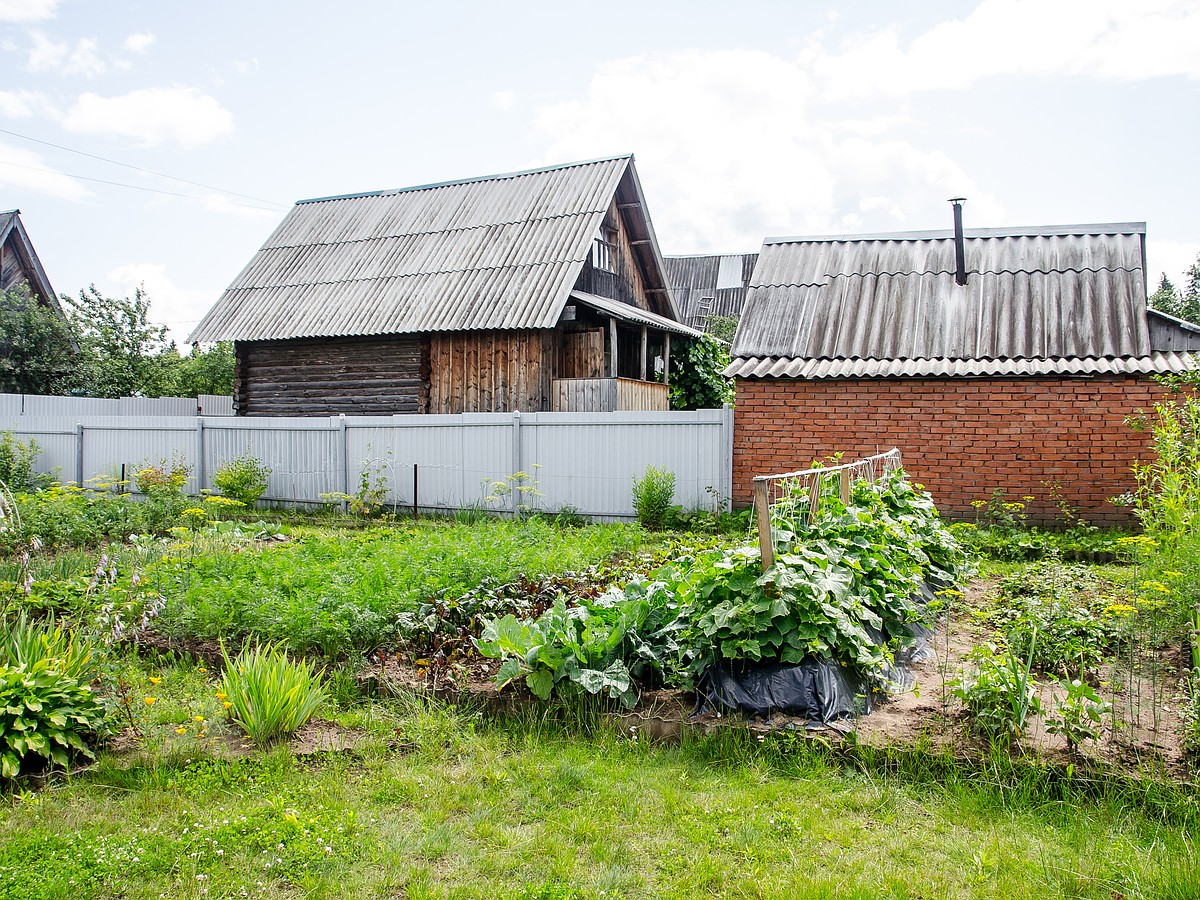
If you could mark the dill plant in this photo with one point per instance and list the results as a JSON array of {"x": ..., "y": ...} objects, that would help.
[{"x": 270, "y": 694}]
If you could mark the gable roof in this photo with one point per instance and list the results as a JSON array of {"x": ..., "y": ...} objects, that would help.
[
  {"x": 501, "y": 251},
  {"x": 19, "y": 261},
  {"x": 721, "y": 277},
  {"x": 1061, "y": 299}
]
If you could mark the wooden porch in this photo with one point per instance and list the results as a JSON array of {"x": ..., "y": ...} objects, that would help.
[{"x": 607, "y": 395}]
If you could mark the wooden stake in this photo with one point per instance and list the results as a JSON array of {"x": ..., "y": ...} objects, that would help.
[{"x": 762, "y": 508}]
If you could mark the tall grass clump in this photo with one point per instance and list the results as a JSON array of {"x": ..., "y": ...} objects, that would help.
[
  {"x": 653, "y": 495},
  {"x": 270, "y": 695}
]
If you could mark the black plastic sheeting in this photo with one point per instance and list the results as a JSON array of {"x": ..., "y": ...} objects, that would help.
[{"x": 822, "y": 691}]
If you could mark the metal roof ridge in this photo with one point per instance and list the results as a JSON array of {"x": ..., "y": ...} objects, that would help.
[
  {"x": 948, "y": 234},
  {"x": 473, "y": 180}
]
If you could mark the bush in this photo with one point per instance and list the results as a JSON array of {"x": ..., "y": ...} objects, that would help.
[
  {"x": 47, "y": 709},
  {"x": 162, "y": 479},
  {"x": 242, "y": 478},
  {"x": 653, "y": 495},
  {"x": 16, "y": 464},
  {"x": 270, "y": 695}
]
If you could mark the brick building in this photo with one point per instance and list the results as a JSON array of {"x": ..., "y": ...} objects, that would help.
[{"x": 994, "y": 359}]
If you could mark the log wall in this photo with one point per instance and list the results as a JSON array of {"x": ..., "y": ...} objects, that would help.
[
  {"x": 626, "y": 283},
  {"x": 327, "y": 376},
  {"x": 491, "y": 371}
]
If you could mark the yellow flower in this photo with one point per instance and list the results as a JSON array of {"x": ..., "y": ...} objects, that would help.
[
  {"x": 181, "y": 729},
  {"x": 228, "y": 704},
  {"x": 1155, "y": 586},
  {"x": 198, "y": 718},
  {"x": 1173, "y": 574},
  {"x": 150, "y": 701},
  {"x": 1027, "y": 499},
  {"x": 201, "y": 669},
  {"x": 221, "y": 695},
  {"x": 155, "y": 679}
]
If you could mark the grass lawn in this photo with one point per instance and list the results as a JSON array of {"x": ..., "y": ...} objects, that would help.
[{"x": 460, "y": 806}]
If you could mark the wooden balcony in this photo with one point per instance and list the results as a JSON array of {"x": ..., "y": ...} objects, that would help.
[{"x": 607, "y": 395}]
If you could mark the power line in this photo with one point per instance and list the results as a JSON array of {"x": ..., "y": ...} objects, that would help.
[
  {"x": 207, "y": 187},
  {"x": 132, "y": 187}
]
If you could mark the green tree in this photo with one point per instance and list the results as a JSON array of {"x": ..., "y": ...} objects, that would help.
[
  {"x": 205, "y": 371},
  {"x": 37, "y": 355},
  {"x": 123, "y": 353},
  {"x": 696, "y": 379},
  {"x": 1183, "y": 304}
]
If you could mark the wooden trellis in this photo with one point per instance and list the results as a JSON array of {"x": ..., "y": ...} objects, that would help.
[{"x": 801, "y": 492}]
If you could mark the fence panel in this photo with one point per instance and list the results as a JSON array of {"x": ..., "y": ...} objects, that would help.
[{"x": 584, "y": 460}]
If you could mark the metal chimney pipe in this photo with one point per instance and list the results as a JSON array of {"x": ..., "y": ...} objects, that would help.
[{"x": 960, "y": 247}]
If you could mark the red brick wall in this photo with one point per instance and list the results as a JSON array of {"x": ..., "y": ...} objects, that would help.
[{"x": 961, "y": 438}]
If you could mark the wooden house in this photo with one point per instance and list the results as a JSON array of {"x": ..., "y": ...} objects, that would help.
[
  {"x": 708, "y": 285},
  {"x": 534, "y": 291},
  {"x": 19, "y": 263},
  {"x": 996, "y": 359}
]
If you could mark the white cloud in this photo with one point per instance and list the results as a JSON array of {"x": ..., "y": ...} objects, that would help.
[
  {"x": 504, "y": 100},
  {"x": 27, "y": 10},
  {"x": 1109, "y": 39},
  {"x": 737, "y": 149},
  {"x": 138, "y": 43},
  {"x": 180, "y": 308},
  {"x": 47, "y": 55},
  {"x": 153, "y": 116},
  {"x": 23, "y": 170},
  {"x": 23, "y": 104}
]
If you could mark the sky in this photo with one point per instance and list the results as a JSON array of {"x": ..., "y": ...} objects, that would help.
[{"x": 159, "y": 144}]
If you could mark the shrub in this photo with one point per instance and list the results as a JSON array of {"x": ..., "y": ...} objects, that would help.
[
  {"x": 243, "y": 478},
  {"x": 162, "y": 479},
  {"x": 16, "y": 464},
  {"x": 270, "y": 695},
  {"x": 653, "y": 494}
]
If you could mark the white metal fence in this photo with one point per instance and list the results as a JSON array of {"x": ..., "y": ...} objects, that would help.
[
  {"x": 35, "y": 405},
  {"x": 440, "y": 462}
]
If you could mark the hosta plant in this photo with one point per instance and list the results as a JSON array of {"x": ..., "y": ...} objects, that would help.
[
  {"x": 46, "y": 714},
  {"x": 270, "y": 694}
]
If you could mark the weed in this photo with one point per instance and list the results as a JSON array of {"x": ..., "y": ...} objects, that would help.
[
  {"x": 1000, "y": 693},
  {"x": 1078, "y": 714}
]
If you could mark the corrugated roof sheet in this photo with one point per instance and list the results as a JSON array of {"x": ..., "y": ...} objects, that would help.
[
  {"x": 495, "y": 252},
  {"x": 722, "y": 277},
  {"x": 1055, "y": 298},
  {"x": 1156, "y": 363},
  {"x": 628, "y": 313}
]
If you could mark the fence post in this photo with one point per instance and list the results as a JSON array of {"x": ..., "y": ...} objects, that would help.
[
  {"x": 343, "y": 452},
  {"x": 79, "y": 453},
  {"x": 516, "y": 462},
  {"x": 727, "y": 461},
  {"x": 201, "y": 478},
  {"x": 844, "y": 479},
  {"x": 762, "y": 509}
]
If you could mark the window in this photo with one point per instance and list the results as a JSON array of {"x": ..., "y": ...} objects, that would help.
[{"x": 604, "y": 251}]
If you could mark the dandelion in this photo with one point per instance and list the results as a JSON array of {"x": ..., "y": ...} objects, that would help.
[
  {"x": 182, "y": 729},
  {"x": 150, "y": 701},
  {"x": 154, "y": 679},
  {"x": 198, "y": 718}
]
